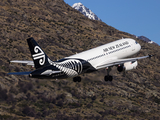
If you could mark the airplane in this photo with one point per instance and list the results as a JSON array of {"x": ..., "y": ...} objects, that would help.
[{"x": 105, "y": 56}]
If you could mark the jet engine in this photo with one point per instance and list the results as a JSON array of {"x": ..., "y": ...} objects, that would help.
[{"x": 127, "y": 66}]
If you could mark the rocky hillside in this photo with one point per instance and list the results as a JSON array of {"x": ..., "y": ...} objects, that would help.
[{"x": 62, "y": 31}]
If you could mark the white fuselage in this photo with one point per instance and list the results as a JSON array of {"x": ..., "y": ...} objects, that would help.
[
  {"x": 106, "y": 53},
  {"x": 105, "y": 56}
]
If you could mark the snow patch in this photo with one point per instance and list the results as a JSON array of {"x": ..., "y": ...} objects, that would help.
[{"x": 85, "y": 11}]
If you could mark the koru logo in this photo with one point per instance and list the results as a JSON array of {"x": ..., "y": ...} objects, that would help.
[{"x": 39, "y": 55}]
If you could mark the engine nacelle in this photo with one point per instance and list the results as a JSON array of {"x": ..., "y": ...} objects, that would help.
[{"x": 127, "y": 66}]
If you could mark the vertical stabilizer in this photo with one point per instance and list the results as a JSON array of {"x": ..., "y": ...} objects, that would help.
[{"x": 38, "y": 55}]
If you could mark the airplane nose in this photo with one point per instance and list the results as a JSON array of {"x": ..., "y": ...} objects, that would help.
[{"x": 139, "y": 47}]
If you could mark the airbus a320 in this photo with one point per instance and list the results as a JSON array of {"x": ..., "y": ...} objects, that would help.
[{"x": 105, "y": 56}]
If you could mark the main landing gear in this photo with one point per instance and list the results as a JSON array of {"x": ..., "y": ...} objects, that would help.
[
  {"x": 77, "y": 79},
  {"x": 108, "y": 77}
]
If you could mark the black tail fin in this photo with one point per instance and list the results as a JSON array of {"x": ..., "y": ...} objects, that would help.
[{"x": 39, "y": 57}]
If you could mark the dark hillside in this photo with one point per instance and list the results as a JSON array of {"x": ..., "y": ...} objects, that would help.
[{"x": 62, "y": 31}]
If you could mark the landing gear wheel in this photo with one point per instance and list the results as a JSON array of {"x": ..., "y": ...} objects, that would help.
[
  {"x": 108, "y": 78},
  {"x": 77, "y": 79},
  {"x": 74, "y": 79}
]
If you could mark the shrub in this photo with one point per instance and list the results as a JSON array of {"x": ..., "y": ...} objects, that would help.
[
  {"x": 89, "y": 105},
  {"x": 61, "y": 96},
  {"x": 10, "y": 99},
  {"x": 60, "y": 103},
  {"x": 13, "y": 90},
  {"x": 3, "y": 94},
  {"x": 28, "y": 111},
  {"x": 94, "y": 98},
  {"x": 24, "y": 87}
]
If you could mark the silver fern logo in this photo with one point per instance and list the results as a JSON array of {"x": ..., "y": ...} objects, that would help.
[
  {"x": 70, "y": 67},
  {"x": 39, "y": 55}
]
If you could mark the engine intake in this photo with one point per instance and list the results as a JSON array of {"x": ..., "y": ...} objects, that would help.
[{"x": 127, "y": 66}]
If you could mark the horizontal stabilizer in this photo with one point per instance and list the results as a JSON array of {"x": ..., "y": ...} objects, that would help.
[
  {"x": 19, "y": 73},
  {"x": 28, "y": 62}
]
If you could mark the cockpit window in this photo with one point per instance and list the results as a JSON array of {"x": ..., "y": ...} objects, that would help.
[{"x": 136, "y": 42}]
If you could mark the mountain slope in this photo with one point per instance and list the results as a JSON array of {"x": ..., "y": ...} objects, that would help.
[
  {"x": 85, "y": 11},
  {"x": 146, "y": 40},
  {"x": 62, "y": 31}
]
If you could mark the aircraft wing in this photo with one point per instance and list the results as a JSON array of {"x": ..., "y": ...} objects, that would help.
[
  {"x": 23, "y": 61},
  {"x": 120, "y": 61}
]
